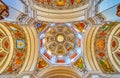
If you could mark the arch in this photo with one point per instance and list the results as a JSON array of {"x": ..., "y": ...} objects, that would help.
[{"x": 59, "y": 72}]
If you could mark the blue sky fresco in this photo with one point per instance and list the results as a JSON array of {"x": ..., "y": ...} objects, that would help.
[
  {"x": 15, "y": 8},
  {"x": 110, "y": 14},
  {"x": 108, "y": 8},
  {"x": 15, "y": 4},
  {"x": 105, "y": 4}
]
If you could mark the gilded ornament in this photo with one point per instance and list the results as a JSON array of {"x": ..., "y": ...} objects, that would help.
[{"x": 60, "y": 2}]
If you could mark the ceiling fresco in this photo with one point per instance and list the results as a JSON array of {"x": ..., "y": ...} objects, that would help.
[
  {"x": 60, "y": 4},
  {"x": 59, "y": 39}
]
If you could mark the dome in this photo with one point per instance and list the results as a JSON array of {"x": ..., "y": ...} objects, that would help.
[
  {"x": 60, "y": 40},
  {"x": 61, "y": 43}
]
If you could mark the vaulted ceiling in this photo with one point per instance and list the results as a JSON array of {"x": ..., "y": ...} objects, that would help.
[{"x": 60, "y": 38}]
